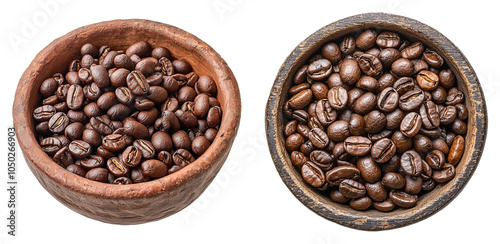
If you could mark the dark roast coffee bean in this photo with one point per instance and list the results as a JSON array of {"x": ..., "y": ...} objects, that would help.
[
  {"x": 146, "y": 148},
  {"x": 376, "y": 191},
  {"x": 388, "y": 99},
  {"x": 393, "y": 180},
  {"x": 366, "y": 39},
  {"x": 369, "y": 169},
  {"x": 411, "y": 163},
  {"x": 80, "y": 149},
  {"x": 413, "y": 51},
  {"x": 365, "y": 103},
  {"x": 76, "y": 169},
  {"x": 411, "y": 124},
  {"x": 352, "y": 189},
  {"x": 383, "y": 150},
  {"x": 357, "y": 145},
  {"x": 97, "y": 174},
  {"x": 411, "y": 100},
  {"x": 388, "y": 39},
  {"x": 116, "y": 167},
  {"x": 298, "y": 159},
  {"x": 447, "y": 115},
  {"x": 199, "y": 145},
  {"x": 370, "y": 65},
  {"x": 319, "y": 69},
  {"x": 447, "y": 78},
  {"x": 361, "y": 203},
  {"x": 356, "y": 125},
  {"x": 402, "y": 67},
  {"x": 338, "y": 98},
  {"x": 44, "y": 113},
  {"x": 432, "y": 58},
  {"x": 422, "y": 144},
  {"x": 337, "y": 197},
  {"x": 338, "y": 131},
  {"x": 154, "y": 168},
  {"x": 312, "y": 174},
  {"x": 374, "y": 121},
  {"x": 336, "y": 175},
  {"x": 403, "y": 199},
  {"x": 394, "y": 119},
  {"x": 114, "y": 142},
  {"x": 436, "y": 159},
  {"x": 430, "y": 115},
  {"x": 454, "y": 97},
  {"x": 58, "y": 122},
  {"x": 349, "y": 71},
  {"x": 384, "y": 206},
  {"x": 331, "y": 51},
  {"x": 137, "y": 83},
  {"x": 446, "y": 173}
]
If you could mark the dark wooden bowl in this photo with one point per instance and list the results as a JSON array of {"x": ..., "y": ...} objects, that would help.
[
  {"x": 431, "y": 202},
  {"x": 135, "y": 203}
]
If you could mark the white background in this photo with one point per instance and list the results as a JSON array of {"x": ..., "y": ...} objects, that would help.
[{"x": 248, "y": 202}]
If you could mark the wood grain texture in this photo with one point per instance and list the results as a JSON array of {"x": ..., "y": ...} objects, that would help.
[
  {"x": 135, "y": 203},
  {"x": 431, "y": 202}
]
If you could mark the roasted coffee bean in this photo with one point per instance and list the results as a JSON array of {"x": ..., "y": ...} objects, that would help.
[
  {"x": 298, "y": 159},
  {"x": 80, "y": 149},
  {"x": 402, "y": 67},
  {"x": 322, "y": 159},
  {"x": 356, "y": 125},
  {"x": 318, "y": 138},
  {"x": 370, "y": 65},
  {"x": 454, "y": 97},
  {"x": 116, "y": 167},
  {"x": 432, "y": 58},
  {"x": 383, "y": 150},
  {"x": 58, "y": 122},
  {"x": 388, "y": 39},
  {"x": 365, "y": 103},
  {"x": 214, "y": 116},
  {"x": 366, "y": 39},
  {"x": 92, "y": 137},
  {"x": 319, "y": 69},
  {"x": 146, "y": 148},
  {"x": 350, "y": 71},
  {"x": 384, "y": 206},
  {"x": 367, "y": 83},
  {"x": 413, "y": 184},
  {"x": 199, "y": 145},
  {"x": 462, "y": 111},
  {"x": 388, "y": 99},
  {"x": 403, "y": 199},
  {"x": 430, "y": 115},
  {"x": 404, "y": 84},
  {"x": 348, "y": 45},
  {"x": 422, "y": 144},
  {"x": 411, "y": 100},
  {"x": 312, "y": 174},
  {"x": 393, "y": 180},
  {"x": 374, "y": 121},
  {"x": 338, "y": 98},
  {"x": 411, "y": 124},
  {"x": 338, "y": 131},
  {"x": 447, "y": 78},
  {"x": 336, "y": 175},
  {"x": 337, "y": 197},
  {"x": 394, "y": 119},
  {"x": 114, "y": 142},
  {"x": 361, "y": 203},
  {"x": 63, "y": 157},
  {"x": 352, "y": 189},
  {"x": 97, "y": 174},
  {"x": 376, "y": 191},
  {"x": 436, "y": 159},
  {"x": 369, "y": 169},
  {"x": 137, "y": 83},
  {"x": 76, "y": 169},
  {"x": 182, "y": 158},
  {"x": 154, "y": 168},
  {"x": 44, "y": 113},
  {"x": 331, "y": 51},
  {"x": 411, "y": 163},
  {"x": 124, "y": 95},
  {"x": 413, "y": 51},
  {"x": 446, "y": 173},
  {"x": 427, "y": 80},
  {"x": 102, "y": 124},
  {"x": 456, "y": 150},
  {"x": 357, "y": 145},
  {"x": 74, "y": 131}
]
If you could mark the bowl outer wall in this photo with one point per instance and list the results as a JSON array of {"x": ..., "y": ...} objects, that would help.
[
  {"x": 135, "y": 203},
  {"x": 431, "y": 202}
]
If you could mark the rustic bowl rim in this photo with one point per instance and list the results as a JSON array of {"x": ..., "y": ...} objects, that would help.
[
  {"x": 359, "y": 219},
  {"x": 35, "y": 156}
]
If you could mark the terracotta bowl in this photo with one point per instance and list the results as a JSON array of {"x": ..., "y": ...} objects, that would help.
[
  {"x": 429, "y": 203},
  {"x": 135, "y": 203}
]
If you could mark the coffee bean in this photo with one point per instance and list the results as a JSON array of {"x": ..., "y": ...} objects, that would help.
[
  {"x": 80, "y": 149},
  {"x": 388, "y": 99},
  {"x": 411, "y": 163},
  {"x": 97, "y": 174},
  {"x": 411, "y": 100},
  {"x": 402, "y": 67},
  {"x": 352, "y": 189},
  {"x": 154, "y": 168},
  {"x": 427, "y": 80},
  {"x": 432, "y": 58},
  {"x": 376, "y": 191},
  {"x": 383, "y": 150},
  {"x": 411, "y": 124},
  {"x": 366, "y": 39},
  {"x": 357, "y": 145},
  {"x": 388, "y": 39},
  {"x": 446, "y": 173},
  {"x": 403, "y": 199},
  {"x": 370, "y": 65},
  {"x": 349, "y": 71},
  {"x": 361, "y": 203},
  {"x": 337, "y": 174},
  {"x": 319, "y": 69},
  {"x": 457, "y": 149},
  {"x": 413, "y": 51},
  {"x": 114, "y": 142}
]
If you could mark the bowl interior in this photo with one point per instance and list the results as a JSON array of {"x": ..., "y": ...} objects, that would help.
[
  {"x": 119, "y": 34},
  {"x": 430, "y": 202}
]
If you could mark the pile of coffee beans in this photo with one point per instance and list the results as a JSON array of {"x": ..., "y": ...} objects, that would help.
[
  {"x": 375, "y": 120},
  {"x": 127, "y": 116}
]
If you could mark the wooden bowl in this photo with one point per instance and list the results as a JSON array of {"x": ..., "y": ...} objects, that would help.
[
  {"x": 135, "y": 203},
  {"x": 429, "y": 203}
]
